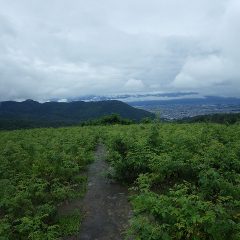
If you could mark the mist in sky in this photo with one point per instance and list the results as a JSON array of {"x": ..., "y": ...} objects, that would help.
[{"x": 69, "y": 48}]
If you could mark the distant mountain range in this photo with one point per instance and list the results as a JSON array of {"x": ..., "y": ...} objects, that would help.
[
  {"x": 30, "y": 113},
  {"x": 130, "y": 97},
  {"x": 153, "y": 99}
]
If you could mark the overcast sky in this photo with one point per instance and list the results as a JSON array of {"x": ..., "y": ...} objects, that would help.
[{"x": 68, "y": 48}]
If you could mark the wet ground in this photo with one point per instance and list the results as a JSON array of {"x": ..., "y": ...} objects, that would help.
[{"x": 105, "y": 205}]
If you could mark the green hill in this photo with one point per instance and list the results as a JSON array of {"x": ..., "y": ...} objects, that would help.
[
  {"x": 29, "y": 113},
  {"x": 222, "y": 118}
]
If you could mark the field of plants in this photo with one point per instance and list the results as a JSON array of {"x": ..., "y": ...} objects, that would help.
[
  {"x": 39, "y": 169},
  {"x": 184, "y": 179}
]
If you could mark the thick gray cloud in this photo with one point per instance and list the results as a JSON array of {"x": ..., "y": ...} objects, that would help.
[{"x": 60, "y": 49}]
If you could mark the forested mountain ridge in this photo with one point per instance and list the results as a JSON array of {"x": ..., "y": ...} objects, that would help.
[{"x": 30, "y": 113}]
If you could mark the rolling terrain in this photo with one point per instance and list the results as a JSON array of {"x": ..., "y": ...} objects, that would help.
[{"x": 29, "y": 113}]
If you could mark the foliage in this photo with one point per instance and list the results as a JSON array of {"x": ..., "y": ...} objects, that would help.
[
  {"x": 223, "y": 118},
  {"x": 70, "y": 224},
  {"x": 185, "y": 178},
  {"x": 108, "y": 120},
  {"x": 39, "y": 169}
]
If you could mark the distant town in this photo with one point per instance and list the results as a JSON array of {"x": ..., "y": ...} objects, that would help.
[
  {"x": 179, "y": 111},
  {"x": 190, "y": 107}
]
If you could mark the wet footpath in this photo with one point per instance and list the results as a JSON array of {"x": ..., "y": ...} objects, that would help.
[{"x": 105, "y": 206}]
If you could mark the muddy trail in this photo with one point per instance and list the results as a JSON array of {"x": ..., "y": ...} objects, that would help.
[{"x": 105, "y": 206}]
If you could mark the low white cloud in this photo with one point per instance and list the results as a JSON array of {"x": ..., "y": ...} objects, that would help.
[
  {"x": 134, "y": 85},
  {"x": 217, "y": 72},
  {"x": 203, "y": 72}
]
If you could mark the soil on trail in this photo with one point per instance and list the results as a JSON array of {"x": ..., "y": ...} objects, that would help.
[{"x": 105, "y": 205}]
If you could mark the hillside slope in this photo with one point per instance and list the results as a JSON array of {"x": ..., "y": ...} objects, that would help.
[
  {"x": 224, "y": 118},
  {"x": 30, "y": 113}
]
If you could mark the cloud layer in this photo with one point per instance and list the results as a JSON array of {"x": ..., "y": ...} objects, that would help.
[{"x": 61, "y": 49}]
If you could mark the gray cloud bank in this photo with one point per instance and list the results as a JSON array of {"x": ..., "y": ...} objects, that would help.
[{"x": 69, "y": 48}]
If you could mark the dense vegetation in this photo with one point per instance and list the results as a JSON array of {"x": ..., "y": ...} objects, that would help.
[
  {"x": 31, "y": 114},
  {"x": 111, "y": 120},
  {"x": 222, "y": 118},
  {"x": 39, "y": 169},
  {"x": 6, "y": 124},
  {"x": 184, "y": 179}
]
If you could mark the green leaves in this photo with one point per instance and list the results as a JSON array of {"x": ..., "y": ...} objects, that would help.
[
  {"x": 185, "y": 179},
  {"x": 182, "y": 213},
  {"x": 38, "y": 170}
]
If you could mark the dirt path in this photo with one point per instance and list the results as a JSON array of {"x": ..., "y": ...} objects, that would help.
[{"x": 105, "y": 205}]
